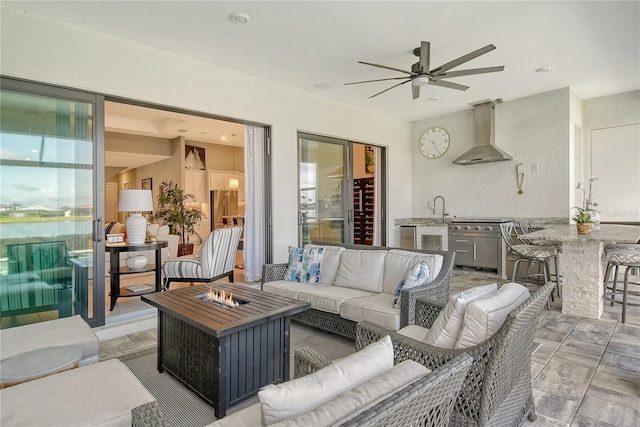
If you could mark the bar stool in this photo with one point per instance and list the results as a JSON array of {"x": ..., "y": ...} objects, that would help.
[
  {"x": 525, "y": 227},
  {"x": 530, "y": 253},
  {"x": 621, "y": 255}
]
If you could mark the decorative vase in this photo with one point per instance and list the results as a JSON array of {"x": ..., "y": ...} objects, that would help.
[
  {"x": 584, "y": 228},
  {"x": 185, "y": 249},
  {"x": 137, "y": 262}
]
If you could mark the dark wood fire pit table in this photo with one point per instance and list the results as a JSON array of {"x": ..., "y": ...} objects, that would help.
[{"x": 224, "y": 354}]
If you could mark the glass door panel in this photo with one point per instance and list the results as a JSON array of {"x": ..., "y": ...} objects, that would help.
[
  {"x": 323, "y": 209},
  {"x": 47, "y": 186}
]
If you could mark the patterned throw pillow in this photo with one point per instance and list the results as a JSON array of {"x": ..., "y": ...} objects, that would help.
[
  {"x": 304, "y": 265},
  {"x": 418, "y": 275}
]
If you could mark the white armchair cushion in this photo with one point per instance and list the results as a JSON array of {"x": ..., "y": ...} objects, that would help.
[
  {"x": 484, "y": 316},
  {"x": 361, "y": 269},
  {"x": 300, "y": 395},
  {"x": 446, "y": 328},
  {"x": 352, "y": 402}
]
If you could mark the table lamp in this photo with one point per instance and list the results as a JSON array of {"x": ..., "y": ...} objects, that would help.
[{"x": 136, "y": 201}]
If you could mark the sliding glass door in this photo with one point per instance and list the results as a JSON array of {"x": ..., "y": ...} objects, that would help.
[
  {"x": 50, "y": 228},
  {"x": 324, "y": 211}
]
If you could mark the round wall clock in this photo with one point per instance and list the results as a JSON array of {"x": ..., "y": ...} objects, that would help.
[{"x": 434, "y": 142}]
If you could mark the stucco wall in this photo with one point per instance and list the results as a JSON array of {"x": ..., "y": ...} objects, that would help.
[
  {"x": 48, "y": 51},
  {"x": 534, "y": 130}
]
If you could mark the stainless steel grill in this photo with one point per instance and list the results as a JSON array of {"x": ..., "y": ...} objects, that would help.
[{"x": 477, "y": 242}]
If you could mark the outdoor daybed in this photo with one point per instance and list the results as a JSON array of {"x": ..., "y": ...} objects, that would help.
[{"x": 358, "y": 282}]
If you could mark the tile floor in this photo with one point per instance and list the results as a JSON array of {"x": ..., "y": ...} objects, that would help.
[{"x": 585, "y": 373}]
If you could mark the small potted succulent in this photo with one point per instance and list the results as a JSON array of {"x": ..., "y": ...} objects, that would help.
[{"x": 584, "y": 220}]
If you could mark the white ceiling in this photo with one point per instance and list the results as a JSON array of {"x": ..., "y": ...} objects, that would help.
[{"x": 591, "y": 46}]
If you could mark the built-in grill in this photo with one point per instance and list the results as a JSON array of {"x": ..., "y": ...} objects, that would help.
[{"x": 477, "y": 242}]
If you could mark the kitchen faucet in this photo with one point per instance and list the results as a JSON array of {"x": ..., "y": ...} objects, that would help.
[{"x": 444, "y": 211}]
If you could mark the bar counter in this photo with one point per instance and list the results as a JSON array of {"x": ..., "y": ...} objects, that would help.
[{"x": 583, "y": 263}]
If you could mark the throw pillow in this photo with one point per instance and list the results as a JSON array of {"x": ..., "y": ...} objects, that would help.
[
  {"x": 304, "y": 265},
  {"x": 418, "y": 275},
  {"x": 300, "y": 395},
  {"x": 484, "y": 316},
  {"x": 446, "y": 328}
]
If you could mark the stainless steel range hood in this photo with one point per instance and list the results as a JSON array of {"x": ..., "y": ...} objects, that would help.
[{"x": 484, "y": 150}]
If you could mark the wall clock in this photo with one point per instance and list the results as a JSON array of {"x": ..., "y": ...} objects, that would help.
[{"x": 434, "y": 142}]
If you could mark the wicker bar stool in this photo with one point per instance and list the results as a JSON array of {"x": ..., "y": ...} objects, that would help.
[
  {"x": 622, "y": 255},
  {"x": 531, "y": 253},
  {"x": 525, "y": 227}
]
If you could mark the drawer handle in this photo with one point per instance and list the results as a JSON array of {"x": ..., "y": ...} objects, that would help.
[
  {"x": 461, "y": 241},
  {"x": 460, "y": 250}
]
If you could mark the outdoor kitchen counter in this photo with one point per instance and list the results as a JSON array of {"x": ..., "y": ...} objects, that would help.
[{"x": 583, "y": 263}]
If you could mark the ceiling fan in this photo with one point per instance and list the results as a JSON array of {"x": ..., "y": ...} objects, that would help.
[{"x": 421, "y": 76}]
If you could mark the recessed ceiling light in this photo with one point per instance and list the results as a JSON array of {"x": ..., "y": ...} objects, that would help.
[
  {"x": 323, "y": 86},
  {"x": 543, "y": 70},
  {"x": 239, "y": 18},
  {"x": 224, "y": 138},
  {"x": 434, "y": 98}
]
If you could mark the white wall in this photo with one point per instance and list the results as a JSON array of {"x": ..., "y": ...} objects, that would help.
[
  {"x": 533, "y": 130},
  {"x": 48, "y": 51}
]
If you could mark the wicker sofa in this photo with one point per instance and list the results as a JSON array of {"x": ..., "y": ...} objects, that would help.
[
  {"x": 497, "y": 390},
  {"x": 401, "y": 395},
  {"x": 338, "y": 309}
]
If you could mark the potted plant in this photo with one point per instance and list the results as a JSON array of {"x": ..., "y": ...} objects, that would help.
[
  {"x": 172, "y": 210},
  {"x": 583, "y": 220}
]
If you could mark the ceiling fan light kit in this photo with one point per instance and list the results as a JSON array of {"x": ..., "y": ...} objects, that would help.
[{"x": 421, "y": 76}]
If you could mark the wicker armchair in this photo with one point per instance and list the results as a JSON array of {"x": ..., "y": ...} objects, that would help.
[
  {"x": 497, "y": 391},
  {"x": 437, "y": 290},
  {"x": 426, "y": 402}
]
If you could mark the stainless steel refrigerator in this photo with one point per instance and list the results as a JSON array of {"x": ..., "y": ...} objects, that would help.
[{"x": 223, "y": 203}]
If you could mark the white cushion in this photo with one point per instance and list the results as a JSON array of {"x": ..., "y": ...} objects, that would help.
[
  {"x": 398, "y": 262},
  {"x": 153, "y": 229},
  {"x": 446, "y": 328},
  {"x": 377, "y": 309},
  {"x": 163, "y": 230},
  {"x": 352, "y": 402},
  {"x": 416, "y": 332},
  {"x": 283, "y": 287},
  {"x": 361, "y": 270},
  {"x": 484, "y": 316},
  {"x": 294, "y": 397},
  {"x": 330, "y": 263},
  {"x": 100, "y": 394},
  {"x": 328, "y": 297}
]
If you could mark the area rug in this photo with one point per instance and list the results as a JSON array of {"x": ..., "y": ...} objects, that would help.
[{"x": 181, "y": 406}]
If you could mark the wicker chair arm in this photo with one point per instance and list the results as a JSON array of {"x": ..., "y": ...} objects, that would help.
[
  {"x": 427, "y": 310},
  {"x": 273, "y": 272},
  {"x": 307, "y": 361}
]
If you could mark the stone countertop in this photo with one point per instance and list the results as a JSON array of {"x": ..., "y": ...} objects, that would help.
[
  {"x": 429, "y": 222},
  {"x": 535, "y": 222},
  {"x": 569, "y": 233}
]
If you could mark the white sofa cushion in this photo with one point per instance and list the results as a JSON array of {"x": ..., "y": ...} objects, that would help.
[
  {"x": 377, "y": 309},
  {"x": 446, "y": 328},
  {"x": 398, "y": 262},
  {"x": 283, "y": 287},
  {"x": 300, "y": 395},
  {"x": 484, "y": 316},
  {"x": 65, "y": 331},
  {"x": 356, "y": 400},
  {"x": 330, "y": 263},
  {"x": 328, "y": 297},
  {"x": 102, "y": 394},
  {"x": 361, "y": 269},
  {"x": 416, "y": 332}
]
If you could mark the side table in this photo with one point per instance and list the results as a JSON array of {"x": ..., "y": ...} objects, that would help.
[
  {"x": 38, "y": 363},
  {"x": 115, "y": 270}
]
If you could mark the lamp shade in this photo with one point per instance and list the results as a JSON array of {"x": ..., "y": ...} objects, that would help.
[
  {"x": 135, "y": 201},
  {"x": 234, "y": 183}
]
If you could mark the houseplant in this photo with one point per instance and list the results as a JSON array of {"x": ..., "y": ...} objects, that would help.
[
  {"x": 172, "y": 210},
  {"x": 583, "y": 220}
]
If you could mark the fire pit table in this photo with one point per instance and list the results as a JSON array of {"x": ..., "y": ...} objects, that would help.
[{"x": 225, "y": 354}]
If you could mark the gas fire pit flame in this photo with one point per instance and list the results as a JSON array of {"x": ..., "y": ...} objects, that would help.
[{"x": 221, "y": 298}]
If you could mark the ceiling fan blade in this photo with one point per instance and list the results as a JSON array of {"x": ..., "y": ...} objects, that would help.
[
  {"x": 425, "y": 52},
  {"x": 416, "y": 91},
  {"x": 450, "y": 85},
  {"x": 377, "y": 80},
  {"x": 384, "y": 66},
  {"x": 469, "y": 72},
  {"x": 380, "y": 93},
  {"x": 468, "y": 57}
]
